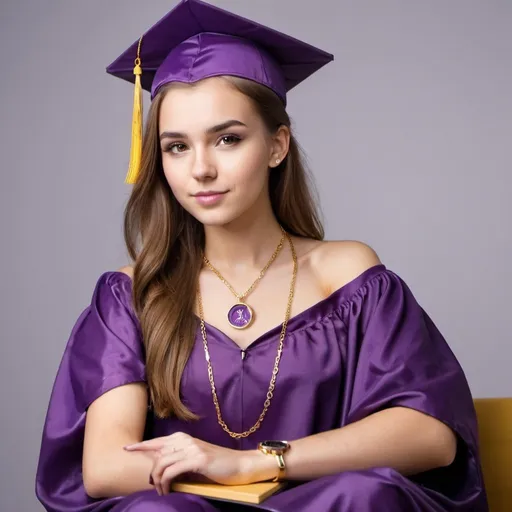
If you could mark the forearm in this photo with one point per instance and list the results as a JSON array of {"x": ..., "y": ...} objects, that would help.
[
  {"x": 119, "y": 473},
  {"x": 404, "y": 439}
]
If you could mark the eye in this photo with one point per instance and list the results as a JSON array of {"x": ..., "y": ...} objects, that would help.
[
  {"x": 230, "y": 139},
  {"x": 179, "y": 146}
]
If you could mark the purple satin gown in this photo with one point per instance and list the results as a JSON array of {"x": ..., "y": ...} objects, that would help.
[{"x": 367, "y": 346}]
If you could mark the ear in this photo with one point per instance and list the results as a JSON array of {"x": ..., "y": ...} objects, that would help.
[{"x": 280, "y": 146}]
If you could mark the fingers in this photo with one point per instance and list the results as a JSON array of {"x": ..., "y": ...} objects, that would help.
[
  {"x": 151, "y": 444},
  {"x": 174, "y": 454},
  {"x": 166, "y": 460},
  {"x": 172, "y": 464},
  {"x": 158, "y": 442},
  {"x": 171, "y": 472}
]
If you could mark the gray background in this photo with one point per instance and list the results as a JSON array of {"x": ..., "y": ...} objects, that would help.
[{"x": 408, "y": 133}]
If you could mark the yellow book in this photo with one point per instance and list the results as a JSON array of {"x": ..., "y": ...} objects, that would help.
[{"x": 249, "y": 493}]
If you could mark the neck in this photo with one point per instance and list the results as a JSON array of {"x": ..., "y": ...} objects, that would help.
[{"x": 242, "y": 245}]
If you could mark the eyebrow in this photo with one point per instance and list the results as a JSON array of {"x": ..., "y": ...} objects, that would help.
[{"x": 214, "y": 129}]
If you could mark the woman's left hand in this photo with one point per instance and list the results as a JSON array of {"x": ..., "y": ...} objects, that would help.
[{"x": 181, "y": 453}]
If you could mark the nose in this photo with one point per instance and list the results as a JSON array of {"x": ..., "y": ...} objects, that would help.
[{"x": 203, "y": 167}]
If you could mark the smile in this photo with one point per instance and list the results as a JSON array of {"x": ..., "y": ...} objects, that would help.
[{"x": 209, "y": 197}]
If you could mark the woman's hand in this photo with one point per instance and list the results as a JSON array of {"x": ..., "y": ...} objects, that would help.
[{"x": 181, "y": 453}]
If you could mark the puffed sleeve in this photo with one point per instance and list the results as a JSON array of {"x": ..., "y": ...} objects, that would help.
[
  {"x": 400, "y": 358},
  {"x": 104, "y": 351}
]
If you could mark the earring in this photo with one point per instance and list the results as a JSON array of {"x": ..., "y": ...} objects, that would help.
[{"x": 277, "y": 161}]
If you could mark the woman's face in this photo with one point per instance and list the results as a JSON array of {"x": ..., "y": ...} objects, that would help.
[{"x": 216, "y": 151}]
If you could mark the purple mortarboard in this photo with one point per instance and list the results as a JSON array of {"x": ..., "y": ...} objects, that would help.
[{"x": 196, "y": 40}]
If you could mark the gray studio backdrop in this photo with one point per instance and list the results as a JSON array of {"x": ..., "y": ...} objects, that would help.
[{"x": 408, "y": 133}]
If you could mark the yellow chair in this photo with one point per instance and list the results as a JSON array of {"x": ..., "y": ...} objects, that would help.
[{"x": 495, "y": 432}]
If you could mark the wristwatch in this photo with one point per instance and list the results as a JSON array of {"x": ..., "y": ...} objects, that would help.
[{"x": 277, "y": 449}]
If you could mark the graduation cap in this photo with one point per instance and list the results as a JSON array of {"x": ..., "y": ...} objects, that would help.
[{"x": 197, "y": 40}]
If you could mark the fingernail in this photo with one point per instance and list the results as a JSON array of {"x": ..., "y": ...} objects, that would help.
[{"x": 151, "y": 481}]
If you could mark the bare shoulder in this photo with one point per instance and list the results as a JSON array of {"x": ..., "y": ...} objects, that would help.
[
  {"x": 128, "y": 270},
  {"x": 356, "y": 255},
  {"x": 338, "y": 262}
]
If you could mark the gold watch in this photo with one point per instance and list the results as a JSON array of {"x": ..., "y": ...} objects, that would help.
[{"x": 277, "y": 449}]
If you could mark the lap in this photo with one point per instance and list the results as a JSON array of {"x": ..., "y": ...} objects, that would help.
[
  {"x": 382, "y": 489},
  {"x": 150, "y": 501},
  {"x": 378, "y": 489}
]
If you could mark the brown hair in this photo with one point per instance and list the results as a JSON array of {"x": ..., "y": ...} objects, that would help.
[{"x": 166, "y": 244}]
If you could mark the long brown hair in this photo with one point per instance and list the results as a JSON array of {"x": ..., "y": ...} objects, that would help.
[{"x": 166, "y": 245}]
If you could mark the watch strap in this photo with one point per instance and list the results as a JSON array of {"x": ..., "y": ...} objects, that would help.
[{"x": 281, "y": 468}]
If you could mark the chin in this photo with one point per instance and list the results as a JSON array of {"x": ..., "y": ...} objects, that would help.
[
  {"x": 222, "y": 214},
  {"x": 215, "y": 217}
]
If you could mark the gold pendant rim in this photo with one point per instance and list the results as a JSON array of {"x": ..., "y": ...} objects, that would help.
[{"x": 251, "y": 316}]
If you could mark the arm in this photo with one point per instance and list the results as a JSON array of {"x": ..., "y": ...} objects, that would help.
[
  {"x": 401, "y": 438},
  {"x": 404, "y": 439},
  {"x": 113, "y": 420}
]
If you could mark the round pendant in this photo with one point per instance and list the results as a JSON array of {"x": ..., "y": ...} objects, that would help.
[{"x": 240, "y": 316}]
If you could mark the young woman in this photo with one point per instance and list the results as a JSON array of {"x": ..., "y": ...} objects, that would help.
[{"x": 238, "y": 326}]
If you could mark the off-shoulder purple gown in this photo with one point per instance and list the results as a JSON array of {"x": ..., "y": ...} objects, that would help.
[{"x": 367, "y": 346}]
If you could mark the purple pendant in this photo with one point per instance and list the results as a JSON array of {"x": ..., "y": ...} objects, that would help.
[{"x": 240, "y": 316}]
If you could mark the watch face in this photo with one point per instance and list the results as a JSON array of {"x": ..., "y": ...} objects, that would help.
[{"x": 275, "y": 445}]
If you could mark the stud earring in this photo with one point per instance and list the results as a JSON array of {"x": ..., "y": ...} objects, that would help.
[{"x": 277, "y": 161}]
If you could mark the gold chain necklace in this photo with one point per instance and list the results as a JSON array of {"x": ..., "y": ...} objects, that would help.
[
  {"x": 270, "y": 392},
  {"x": 241, "y": 315}
]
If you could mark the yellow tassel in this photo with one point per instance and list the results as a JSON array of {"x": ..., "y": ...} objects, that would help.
[{"x": 136, "y": 145}]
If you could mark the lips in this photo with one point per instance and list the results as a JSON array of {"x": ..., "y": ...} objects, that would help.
[
  {"x": 209, "y": 193},
  {"x": 209, "y": 197}
]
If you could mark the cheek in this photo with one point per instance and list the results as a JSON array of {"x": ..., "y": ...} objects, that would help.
[
  {"x": 178, "y": 187},
  {"x": 250, "y": 168},
  {"x": 175, "y": 179}
]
